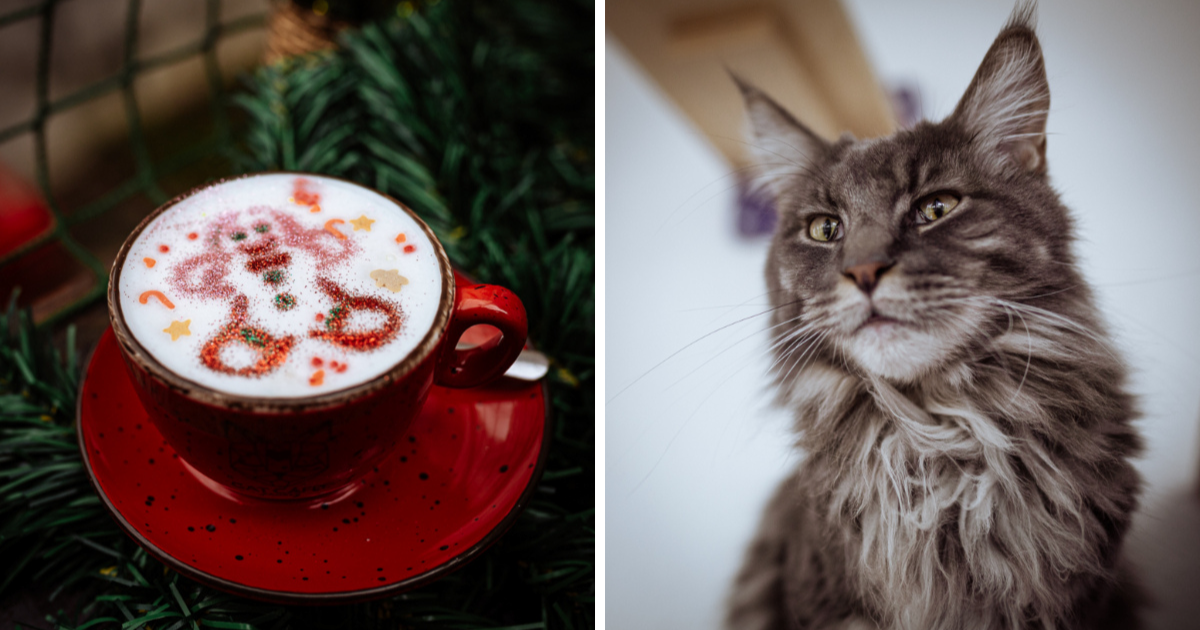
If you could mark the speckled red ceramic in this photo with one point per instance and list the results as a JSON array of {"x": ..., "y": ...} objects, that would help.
[
  {"x": 464, "y": 469},
  {"x": 304, "y": 447}
]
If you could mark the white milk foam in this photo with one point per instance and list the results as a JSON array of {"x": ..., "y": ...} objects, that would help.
[{"x": 252, "y": 243}]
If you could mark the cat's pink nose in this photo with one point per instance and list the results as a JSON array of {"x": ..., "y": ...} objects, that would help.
[{"x": 866, "y": 275}]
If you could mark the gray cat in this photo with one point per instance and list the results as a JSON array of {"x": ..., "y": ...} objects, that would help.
[{"x": 964, "y": 415}]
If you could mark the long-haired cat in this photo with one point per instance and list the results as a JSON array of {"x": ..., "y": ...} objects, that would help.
[{"x": 964, "y": 416}]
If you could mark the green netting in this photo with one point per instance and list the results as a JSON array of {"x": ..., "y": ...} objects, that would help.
[{"x": 149, "y": 174}]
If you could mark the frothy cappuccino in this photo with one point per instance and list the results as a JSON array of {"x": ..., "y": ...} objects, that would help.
[{"x": 281, "y": 286}]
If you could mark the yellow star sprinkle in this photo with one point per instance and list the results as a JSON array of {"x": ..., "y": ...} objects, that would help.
[
  {"x": 362, "y": 223},
  {"x": 178, "y": 329},
  {"x": 389, "y": 279}
]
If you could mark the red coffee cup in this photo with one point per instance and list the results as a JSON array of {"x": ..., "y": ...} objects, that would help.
[{"x": 306, "y": 447}]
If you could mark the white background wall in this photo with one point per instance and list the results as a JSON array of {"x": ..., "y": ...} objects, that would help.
[{"x": 692, "y": 449}]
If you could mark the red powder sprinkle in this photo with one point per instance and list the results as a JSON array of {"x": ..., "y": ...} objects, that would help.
[
  {"x": 261, "y": 247},
  {"x": 303, "y": 196},
  {"x": 317, "y": 362},
  {"x": 408, "y": 249},
  {"x": 164, "y": 249},
  {"x": 318, "y": 378},
  {"x": 203, "y": 276},
  {"x": 272, "y": 352},
  {"x": 206, "y": 275},
  {"x": 149, "y": 262},
  {"x": 345, "y": 304},
  {"x": 193, "y": 236},
  {"x": 341, "y": 368},
  {"x": 263, "y": 263}
]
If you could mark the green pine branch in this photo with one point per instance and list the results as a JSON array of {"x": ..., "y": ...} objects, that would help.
[{"x": 49, "y": 517}]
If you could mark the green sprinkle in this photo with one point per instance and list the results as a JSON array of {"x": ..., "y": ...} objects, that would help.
[
  {"x": 285, "y": 301},
  {"x": 252, "y": 339},
  {"x": 262, "y": 227},
  {"x": 239, "y": 236},
  {"x": 273, "y": 276},
  {"x": 335, "y": 313}
]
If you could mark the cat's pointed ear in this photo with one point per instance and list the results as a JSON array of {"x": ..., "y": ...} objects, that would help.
[
  {"x": 780, "y": 146},
  {"x": 1006, "y": 105}
]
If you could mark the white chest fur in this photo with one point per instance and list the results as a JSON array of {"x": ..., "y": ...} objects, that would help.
[{"x": 957, "y": 523}]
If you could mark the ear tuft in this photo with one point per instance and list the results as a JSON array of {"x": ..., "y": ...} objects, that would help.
[
  {"x": 780, "y": 146},
  {"x": 1006, "y": 106},
  {"x": 1024, "y": 16}
]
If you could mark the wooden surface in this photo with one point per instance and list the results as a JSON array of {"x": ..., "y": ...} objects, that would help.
[{"x": 803, "y": 53}]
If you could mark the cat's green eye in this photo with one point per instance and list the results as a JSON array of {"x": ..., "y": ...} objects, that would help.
[
  {"x": 825, "y": 228},
  {"x": 934, "y": 207}
]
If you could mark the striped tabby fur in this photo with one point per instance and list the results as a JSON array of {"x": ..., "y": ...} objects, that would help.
[{"x": 967, "y": 463}]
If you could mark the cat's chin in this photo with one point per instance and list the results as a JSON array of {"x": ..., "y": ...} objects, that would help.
[{"x": 896, "y": 351}]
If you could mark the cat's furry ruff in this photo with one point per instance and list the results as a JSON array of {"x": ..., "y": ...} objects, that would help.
[{"x": 969, "y": 468}]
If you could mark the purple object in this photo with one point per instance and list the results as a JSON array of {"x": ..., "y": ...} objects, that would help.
[
  {"x": 906, "y": 105},
  {"x": 755, "y": 211}
]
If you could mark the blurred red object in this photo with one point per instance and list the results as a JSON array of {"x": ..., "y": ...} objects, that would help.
[
  {"x": 49, "y": 278},
  {"x": 23, "y": 216}
]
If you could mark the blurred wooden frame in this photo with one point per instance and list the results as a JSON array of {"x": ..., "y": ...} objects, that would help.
[{"x": 803, "y": 53}]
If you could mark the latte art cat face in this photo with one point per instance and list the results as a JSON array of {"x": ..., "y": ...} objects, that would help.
[
  {"x": 902, "y": 253},
  {"x": 281, "y": 286}
]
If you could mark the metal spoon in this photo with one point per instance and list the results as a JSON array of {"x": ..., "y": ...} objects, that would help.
[{"x": 530, "y": 365}]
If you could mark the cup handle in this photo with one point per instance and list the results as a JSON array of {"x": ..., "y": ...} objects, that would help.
[{"x": 481, "y": 304}]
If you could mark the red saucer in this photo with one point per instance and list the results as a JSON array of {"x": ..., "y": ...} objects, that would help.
[{"x": 468, "y": 466}]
